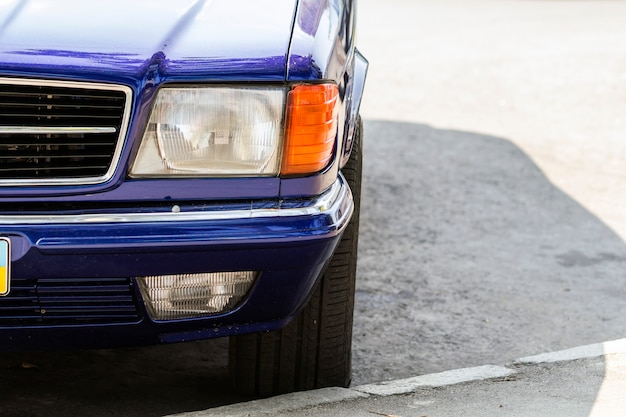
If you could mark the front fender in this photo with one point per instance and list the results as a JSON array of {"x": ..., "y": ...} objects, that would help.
[
  {"x": 322, "y": 40},
  {"x": 353, "y": 103},
  {"x": 323, "y": 48}
]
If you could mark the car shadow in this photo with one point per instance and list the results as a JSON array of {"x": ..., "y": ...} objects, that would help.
[
  {"x": 468, "y": 256},
  {"x": 153, "y": 381}
]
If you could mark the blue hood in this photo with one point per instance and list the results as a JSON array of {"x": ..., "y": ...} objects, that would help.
[{"x": 123, "y": 40}]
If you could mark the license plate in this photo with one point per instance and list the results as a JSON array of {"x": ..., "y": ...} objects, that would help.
[{"x": 5, "y": 266}]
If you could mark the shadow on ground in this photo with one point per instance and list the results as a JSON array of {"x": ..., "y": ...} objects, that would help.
[
  {"x": 468, "y": 256},
  {"x": 152, "y": 381}
]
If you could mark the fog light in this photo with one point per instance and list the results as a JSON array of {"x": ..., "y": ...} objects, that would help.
[{"x": 171, "y": 297}]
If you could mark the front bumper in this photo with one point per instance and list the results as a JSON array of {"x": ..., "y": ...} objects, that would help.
[{"x": 73, "y": 274}]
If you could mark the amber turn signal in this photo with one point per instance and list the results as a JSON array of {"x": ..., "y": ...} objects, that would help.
[{"x": 311, "y": 128}]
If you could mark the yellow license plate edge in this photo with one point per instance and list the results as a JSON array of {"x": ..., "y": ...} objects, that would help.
[{"x": 5, "y": 266}]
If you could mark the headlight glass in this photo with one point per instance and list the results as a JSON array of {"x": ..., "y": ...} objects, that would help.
[{"x": 213, "y": 131}]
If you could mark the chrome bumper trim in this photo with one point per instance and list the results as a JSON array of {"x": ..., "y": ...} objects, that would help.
[{"x": 337, "y": 201}]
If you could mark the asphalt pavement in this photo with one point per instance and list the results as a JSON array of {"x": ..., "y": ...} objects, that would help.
[
  {"x": 492, "y": 222},
  {"x": 588, "y": 381}
]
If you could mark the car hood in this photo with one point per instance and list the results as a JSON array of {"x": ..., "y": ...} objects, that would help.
[{"x": 116, "y": 39}]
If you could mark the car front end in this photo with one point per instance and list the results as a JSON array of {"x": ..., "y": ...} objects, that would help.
[{"x": 170, "y": 173}]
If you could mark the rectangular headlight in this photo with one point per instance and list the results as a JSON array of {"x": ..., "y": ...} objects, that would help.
[{"x": 213, "y": 131}]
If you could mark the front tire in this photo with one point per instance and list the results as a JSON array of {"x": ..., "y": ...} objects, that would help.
[{"x": 314, "y": 350}]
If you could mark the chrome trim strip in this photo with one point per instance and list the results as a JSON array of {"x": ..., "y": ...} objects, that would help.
[
  {"x": 54, "y": 130},
  {"x": 324, "y": 203},
  {"x": 117, "y": 154}
]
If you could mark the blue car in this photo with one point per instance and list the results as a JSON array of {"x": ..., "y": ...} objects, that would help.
[{"x": 178, "y": 171}]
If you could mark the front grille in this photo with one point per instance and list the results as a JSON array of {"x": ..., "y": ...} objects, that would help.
[
  {"x": 57, "y": 132},
  {"x": 68, "y": 301}
]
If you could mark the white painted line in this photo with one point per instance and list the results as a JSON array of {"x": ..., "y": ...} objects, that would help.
[
  {"x": 457, "y": 376},
  {"x": 281, "y": 403},
  {"x": 581, "y": 352}
]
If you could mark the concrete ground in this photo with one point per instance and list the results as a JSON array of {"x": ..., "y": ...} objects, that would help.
[{"x": 547, "y": 75}]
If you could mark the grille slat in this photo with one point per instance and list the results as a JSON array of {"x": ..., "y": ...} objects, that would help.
[
  {"x": 69, "y": 301},
  {"x": 54, "y": 155},
  {"x": 84, "y": 169},
  {"x": 46, "y": 115},
  {"x": 50, "y": 91},
  {"x": 17, "y": 141},
  {"x": 88, "y": 155},
  {"x": 21, "y": 102}
]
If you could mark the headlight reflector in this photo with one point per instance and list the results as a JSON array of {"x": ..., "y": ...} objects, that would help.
[{"x": 213, "y": 131}]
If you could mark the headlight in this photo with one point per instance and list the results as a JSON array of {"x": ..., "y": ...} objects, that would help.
[
  {"x": 213, "y": 131},
  {"x": 239, "y": 131}
]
